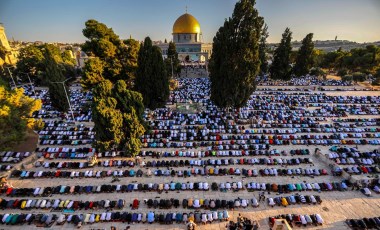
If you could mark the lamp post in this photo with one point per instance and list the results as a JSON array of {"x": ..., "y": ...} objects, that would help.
[
  {"x": 30, "y": 83},
  {"x": 67, "y": 96}
]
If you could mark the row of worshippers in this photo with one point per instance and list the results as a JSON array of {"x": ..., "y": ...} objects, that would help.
[
  {"x": 126, "y": 217},
  {"x": 293, "y": 199},
  {"x": 299, "y": 220},
  {"x": 193, "y": 162},
  {"x": 174, "y": 186},
  {"x": 217, "y": 171},
  {"x": 27, "y": 204},
  {"x": 25, "y": 174},
  {"x": 82, "y": 164},
  {"x": 232, "y": 153}
]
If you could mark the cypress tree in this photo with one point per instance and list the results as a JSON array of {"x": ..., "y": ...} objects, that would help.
[
  {"x": 151, "y": 78},
  {"x": 172, "y": 60},
  {"x": 56, "y": 90},
  {"x": 263, "y": 50},
  {"x": 235, "y": 60},
  {"x": 305, "y": 59},
  {"x": 281, "y": 68}
]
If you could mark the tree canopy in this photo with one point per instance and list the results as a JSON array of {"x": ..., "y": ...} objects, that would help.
[
  {"x": 281, "y": 68},
  {"x": 152, "y": 80},
  {"x": 31, "y": 60},
  {"x": 16, "y": 110},
  {"x": 305, "y": 57},
  {"x": 56, "y": 90},
  {"x": 235, "y": 59},
  {"x": 118, "y": 57},
  {"x": 109, "y": 73},
  {"x": 117, "y": 114},
  {"x": 365, "y": 60},
  {"x": 133, "y": 47}
]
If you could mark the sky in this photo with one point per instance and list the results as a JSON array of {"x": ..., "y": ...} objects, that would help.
[{"x": 63, "y": 20}]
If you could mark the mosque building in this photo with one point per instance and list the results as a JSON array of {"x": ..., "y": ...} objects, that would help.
[{"x": 187, "y": 37}]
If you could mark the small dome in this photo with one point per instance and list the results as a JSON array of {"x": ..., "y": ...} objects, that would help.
[{"x": 186, "y": 24}]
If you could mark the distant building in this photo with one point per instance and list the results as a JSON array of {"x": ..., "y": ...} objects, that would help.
[
  {"x": 9, "y": 57},
  {"x": 329, "y": 45},
  {"x": 81, "y": 58},
  {"x": 187, "y": 37}
]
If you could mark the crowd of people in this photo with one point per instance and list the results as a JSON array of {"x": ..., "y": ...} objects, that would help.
[
  {"x": 308, "y": 80},
  {"x": 364, "y": 223},
  {"x": 243, "y": 223},
  {"x": 299, "y": 220},
  {"x": 267, "y": 147}
]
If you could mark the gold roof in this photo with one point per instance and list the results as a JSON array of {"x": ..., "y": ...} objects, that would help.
[{"x": 186, "y": 24}]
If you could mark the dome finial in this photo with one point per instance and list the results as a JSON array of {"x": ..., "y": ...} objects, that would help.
[{"x": 186, "y": 9}]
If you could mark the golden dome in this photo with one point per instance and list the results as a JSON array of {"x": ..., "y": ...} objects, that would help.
[{"x": 186, "y": 24}]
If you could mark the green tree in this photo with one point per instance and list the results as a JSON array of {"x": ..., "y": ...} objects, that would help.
[
  {"x": 92, "y": 73},
  {"x": 172, "y": 61},
  {"x": 347, "y": 78},
  {"x": 67, "y": 57},
  {"x": 281, "y": 68},
  {"x": 56, "y": 90},
  {"x": 365, "y": 60},
  {"x": 235, "y": 59},
  {"x": 263, "y": 50},
  {"x": 117, "y": 110},
  {"x": 358, "y": 77},
  {"x": 16, "y": 110},
  {"x": 152, "y": 80},
  {"x": 117, "y": 114},
  {"x": 329, "y": 60},
  {"x": 318, "y": 56},
  {"x": 316, "y": 71},
  {"x": 305, "y": 59},
  {"x": 133, "y": 47},
  {"x": 342, "y": 72},
  {"x": 31, "y": 60},
  {"x": 118, "y": 58},
  {"x": 376, "y": 76}
]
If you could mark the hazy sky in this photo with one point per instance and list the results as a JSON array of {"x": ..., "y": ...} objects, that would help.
[{"x": 63, "y": 20}]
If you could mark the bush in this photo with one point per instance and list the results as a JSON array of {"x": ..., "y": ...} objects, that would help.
[
  {"x": 359, "y": 77},
  {"x": 317, "y": 72},
  {"x": 376, "y": 81},
  {"x": 342, "y": 72},
  {"x": 377, "y": 74},
  {"x": 347, "y": 78}
]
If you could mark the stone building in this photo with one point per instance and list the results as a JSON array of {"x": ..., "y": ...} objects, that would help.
[{"x": 9, "y": 56}]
